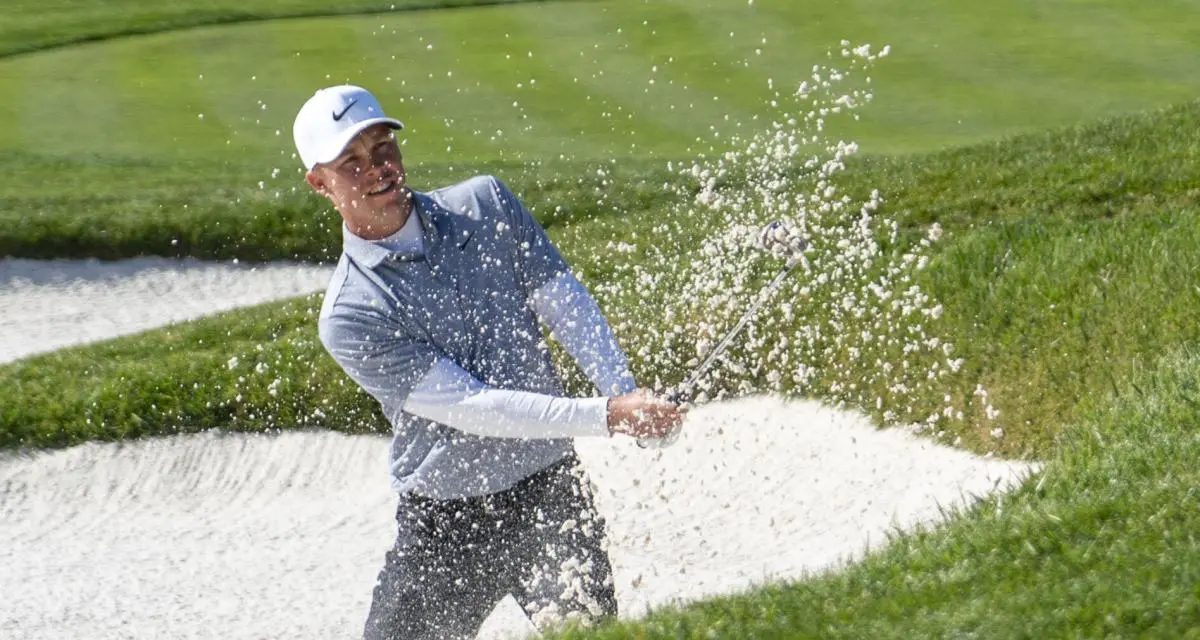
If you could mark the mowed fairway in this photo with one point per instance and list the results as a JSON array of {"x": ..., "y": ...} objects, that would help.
[
  {"x": 32, "y": 25},
  {"x": 591, "y": 80}
]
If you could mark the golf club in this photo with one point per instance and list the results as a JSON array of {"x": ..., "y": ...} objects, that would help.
[{"x": 779, "y": 239}]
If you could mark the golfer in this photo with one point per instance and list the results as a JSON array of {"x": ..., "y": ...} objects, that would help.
[{"x": 434, "y": 309}]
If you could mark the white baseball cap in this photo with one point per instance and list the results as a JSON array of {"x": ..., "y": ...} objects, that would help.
[{"x": 330, "y": 120}]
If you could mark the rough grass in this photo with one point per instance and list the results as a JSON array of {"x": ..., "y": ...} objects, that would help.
[
  {"x": 140, "y": 208},
  {"x": 1102, "y": 543},
  {"x": 181, "y": 379}
]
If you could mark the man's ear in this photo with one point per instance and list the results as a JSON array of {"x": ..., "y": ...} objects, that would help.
[{"x": 318, "y": 184}]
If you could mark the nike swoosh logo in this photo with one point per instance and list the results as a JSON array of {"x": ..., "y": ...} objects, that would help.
[{"x": 337, "y": 117}]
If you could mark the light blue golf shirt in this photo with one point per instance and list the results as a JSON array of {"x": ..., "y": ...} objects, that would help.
[{"x": 388, "y": 318}]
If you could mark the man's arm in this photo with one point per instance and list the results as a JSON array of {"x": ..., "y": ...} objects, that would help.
[
  {"x": 409, "y": 375},
  {"x": 575, "y": 320},
  {"x": 376, "y": 352},
  {"x": 562, "y": 302},
  {"x": 452, "y": 396},
  {"x": 537, "y": 260},
  {"x": 405, "y": 374}
]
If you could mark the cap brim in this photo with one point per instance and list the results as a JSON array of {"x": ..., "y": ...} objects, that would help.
[{"x": 339, "y": 144}]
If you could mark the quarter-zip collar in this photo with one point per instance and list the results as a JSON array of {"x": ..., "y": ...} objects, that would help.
[{"x": 437, "y": 225}]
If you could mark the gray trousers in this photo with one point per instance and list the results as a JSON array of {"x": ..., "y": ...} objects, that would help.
[{"x": 541, "y": 541}]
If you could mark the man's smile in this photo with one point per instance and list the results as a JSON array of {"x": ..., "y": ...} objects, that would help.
[{"x": 384, "y": 187}]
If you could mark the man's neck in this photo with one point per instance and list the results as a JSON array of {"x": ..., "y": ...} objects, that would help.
[{"x": 383, "y": 224}]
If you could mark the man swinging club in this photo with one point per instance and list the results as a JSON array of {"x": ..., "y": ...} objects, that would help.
[{"x": 434, "y": 310}]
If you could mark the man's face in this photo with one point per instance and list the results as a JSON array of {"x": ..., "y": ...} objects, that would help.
[{"x": 367, "y": 179}]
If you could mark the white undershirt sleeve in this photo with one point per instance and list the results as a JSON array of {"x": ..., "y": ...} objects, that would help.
[
  {"x": 575, "y": 320},
  {"x": 450, "y": 395}
]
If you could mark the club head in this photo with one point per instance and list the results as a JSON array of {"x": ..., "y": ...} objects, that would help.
[{"x": 780, "y": 239}]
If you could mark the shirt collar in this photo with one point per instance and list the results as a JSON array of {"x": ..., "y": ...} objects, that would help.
[{"x": 435, "y": 225}]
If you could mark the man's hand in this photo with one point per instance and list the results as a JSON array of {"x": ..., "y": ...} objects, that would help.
[{"x": 642, "y": 415}]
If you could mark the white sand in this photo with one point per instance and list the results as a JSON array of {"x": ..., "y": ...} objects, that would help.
[
  {"x": 281, "y": 536},
  {"x": 46, "y": 305},
  {"x": 215, "y": 536}
]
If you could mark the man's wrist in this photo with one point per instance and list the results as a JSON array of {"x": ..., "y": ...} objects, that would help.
[{"x": 617, "y": 417}]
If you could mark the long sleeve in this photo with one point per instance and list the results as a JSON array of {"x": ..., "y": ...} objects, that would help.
[
  {"x": 563, "y": 303},
  {"x": 377, "y": 354},
  {"x": 575, "y": 320},
  {"x": 450, "y": 395},
  {"x": 408, "y": 375}
]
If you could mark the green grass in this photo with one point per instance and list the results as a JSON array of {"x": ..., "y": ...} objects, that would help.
[
  {"x": 180, "y": 379},
  {"x": 27, "y": 25},
  {"x": 958, "y": 74},
  {"x": 1102, "y": 543},
  {"x": 1068, "y": 270},
  {"x": 181, "y": 210},
  {"x": 109, "y": 156}
]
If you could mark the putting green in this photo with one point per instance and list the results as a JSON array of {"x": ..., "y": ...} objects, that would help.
[{"x": 591, "y": 80}]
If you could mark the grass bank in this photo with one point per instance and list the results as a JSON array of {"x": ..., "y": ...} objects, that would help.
[
  {"x": 1055, "y": 287},
  {"x": 1102, "y": 544},
  {"x": 140, "y": 208}
]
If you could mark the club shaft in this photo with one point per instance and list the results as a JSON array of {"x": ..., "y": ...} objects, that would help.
[{"x": 763, "y": 296}]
